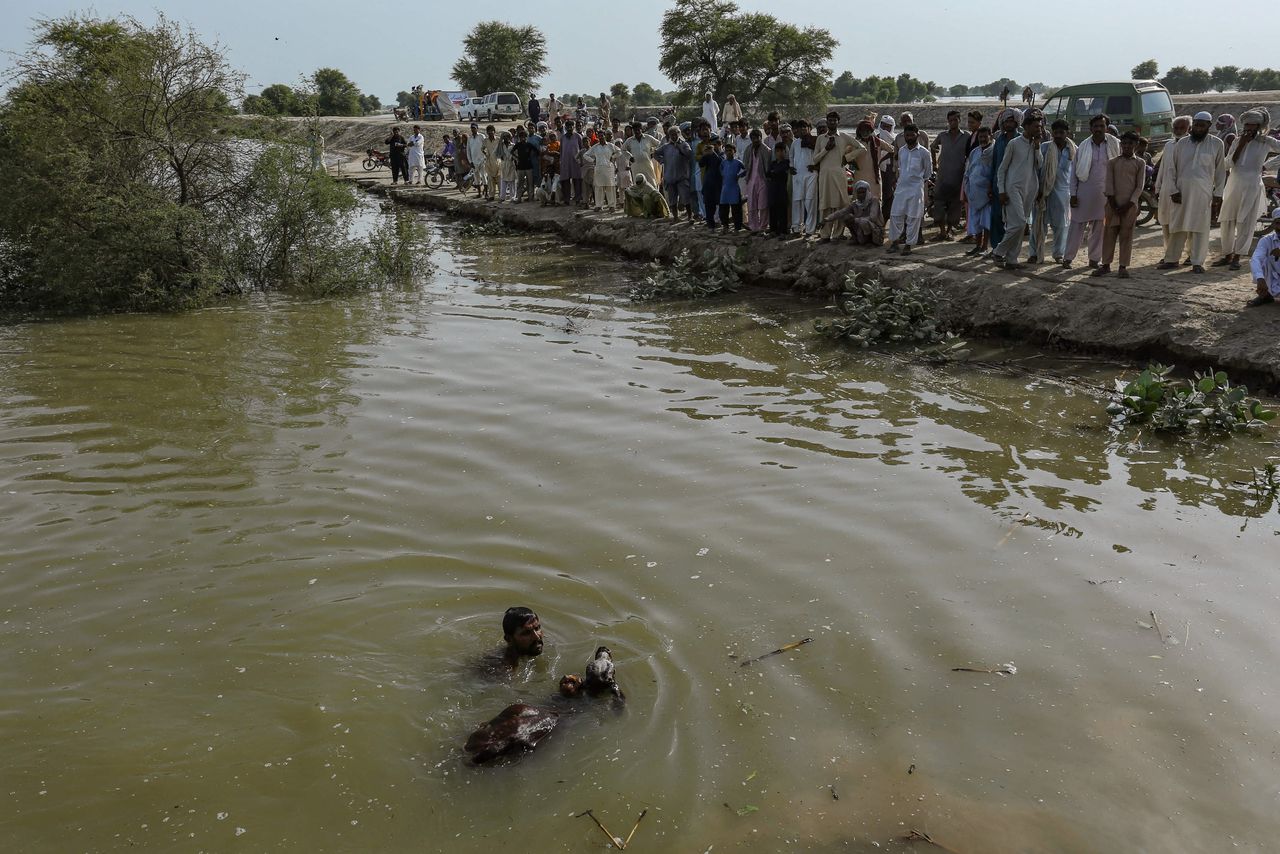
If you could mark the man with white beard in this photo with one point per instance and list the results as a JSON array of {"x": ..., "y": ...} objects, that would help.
[{"x": 1197, "y": 167}]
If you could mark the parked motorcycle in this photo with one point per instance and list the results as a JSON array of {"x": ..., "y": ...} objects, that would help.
[{"x": 375, "y": 159}]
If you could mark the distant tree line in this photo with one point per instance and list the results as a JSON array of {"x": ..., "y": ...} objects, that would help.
[
  {"x": 327, "y": 92},
  {"x": 1182, "y": 80}
]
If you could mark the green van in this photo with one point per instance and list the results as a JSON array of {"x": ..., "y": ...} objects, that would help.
[{"x": 1143, "y": 106}]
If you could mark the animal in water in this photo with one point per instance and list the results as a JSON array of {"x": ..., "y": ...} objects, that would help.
[
  {"x": 600, "y": 678},
  {"x": 517, "y": 729}
]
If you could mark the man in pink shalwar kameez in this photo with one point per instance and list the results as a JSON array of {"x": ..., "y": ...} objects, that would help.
[{"x": 757, "y": 158}]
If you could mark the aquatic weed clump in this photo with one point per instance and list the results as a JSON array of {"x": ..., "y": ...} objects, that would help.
[
  {"x": 488, "y": 228},
  {"x": 690, "y": 278},
  {"x": 1170, "y": 404},
  {"x": 872, "y": 311}
]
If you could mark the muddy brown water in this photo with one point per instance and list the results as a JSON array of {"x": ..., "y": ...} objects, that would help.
[{"x": 253, "y": 553}]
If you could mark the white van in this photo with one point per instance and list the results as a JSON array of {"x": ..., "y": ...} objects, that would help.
[
  {"x": 470, "y": 110},
  {"x": 497, "y": 106}
]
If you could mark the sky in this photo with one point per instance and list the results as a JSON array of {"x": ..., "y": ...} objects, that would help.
[{"x": 389, "y": 46}]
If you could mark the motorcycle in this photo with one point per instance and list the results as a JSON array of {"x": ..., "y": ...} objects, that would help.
[
  {"x": 375, "y": 159},
  {"x": 439, "y": 170}
]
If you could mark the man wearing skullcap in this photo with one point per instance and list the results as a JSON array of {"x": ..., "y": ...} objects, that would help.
[
  {"x": 1198, "y": 171},
  {"x": 1088, "y": 190},
  {"x": 1265, "y": 265},
  {"x": 1243, "y": 200}
]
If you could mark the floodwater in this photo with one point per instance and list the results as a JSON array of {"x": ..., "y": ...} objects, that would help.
[{"x": 252, "y": 555}]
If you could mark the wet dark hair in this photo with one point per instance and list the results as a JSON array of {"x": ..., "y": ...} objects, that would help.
[
  {"x": 976, "y": 115},
  {"x": 514, "y": 618},
  {"x": 1100, "y": 117},
  {"x": 1130, "y": 136},
  {"x": 781, "y": 146},
  {"x": 912, "y": 128},
  {"x": 1060, "y": 124},
  {"x": 951, "y": 113}
]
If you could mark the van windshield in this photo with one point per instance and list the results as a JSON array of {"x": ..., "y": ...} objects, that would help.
[{"x": 1156, "y": 102}]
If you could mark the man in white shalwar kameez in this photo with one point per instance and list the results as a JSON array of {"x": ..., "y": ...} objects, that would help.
[
  {"x": 711, "y": 113},
  {"x": 603, "y": 157},
  {"x": 1243, "y": 201},
  {"x": 915, "y": 167},
  {"x": 804, "y": 181},
  {"x": 1265, "y": 265},
  {"x": 476, "y": 157},
  {"x": 1164, "y": 189},
  {"x": 1198, "y": 170},
  {"x": 1018, "y": 186},
  {"x": 640, "y": 146},
  {"x": 417, "y": 155}
]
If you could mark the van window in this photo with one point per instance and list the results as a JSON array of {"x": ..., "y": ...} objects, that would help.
[
  {"x": 489, "y": 99},
  {"x": 1156, "y": 102},
  {"x": 1087, "y": 105},
  {"x": 1055, "y": 108},
  {"x": 508, "y": 98},
  {"x": 1120, "y": 105}
]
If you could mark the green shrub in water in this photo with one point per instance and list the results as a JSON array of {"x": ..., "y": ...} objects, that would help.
[
  {"x": 690, "y": 278},
  {"x": 1170, "y": 404},
  {"x": 488, "y": 228},
  {"x": 873, "y": 312}
]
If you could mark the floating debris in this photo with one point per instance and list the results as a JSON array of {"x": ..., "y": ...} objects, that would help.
[
  {"x": 1006, "y": 669},
  {"x": 779, "y": 651}
]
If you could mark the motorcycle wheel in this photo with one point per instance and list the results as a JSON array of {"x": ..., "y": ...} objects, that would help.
[
  {"x": 369, "y": 164},
  {"x": 435, "y": 179},
  {"x": 1146, "y": 209}
]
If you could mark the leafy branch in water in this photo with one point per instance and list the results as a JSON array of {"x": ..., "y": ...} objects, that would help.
[
  {"x": 1175, "y": 405},
  {"x": 687, "y": 277},
  {"x": 873, "y": 312},
  {"x": 488, "y": 228}
]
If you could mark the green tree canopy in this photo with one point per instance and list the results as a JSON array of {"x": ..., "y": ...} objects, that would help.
[
  {"x": 620, "y": 95},
  {"x": 1224, "y": 77},
  {"x": 995, "y": 87},
  {"x": 643, "y": 95},
  {"x": 710, "y": 46},
  {"x": 144, "y": 202},
  {"x": 499, "y": 57},
  {"x": 405, "y": 99},
  {"x": 1255, "y": 79},
  {"x": 335, "y": 94},
  {"x": 1145, "y": 70},
  {"x": 958, "y": 91},
  {"x": 1181, "y": 80}
]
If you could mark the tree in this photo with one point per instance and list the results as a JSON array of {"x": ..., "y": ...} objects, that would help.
[
  {"x": 620, "y": 96},
  {"x": 845, "y": 87},
  {"x": 1255, "y": 79},
  {"x": 644, "y": 95},
  {"x": 404, "y": 100},
  {"x": 370, "y": 104},
  {"x": 1224, "y": 77},
  {"x": 710, "y": 46},
  {"x": 145, "y": 202},
  {"x": 958, "y": 91},
  {"x": 1181, "y": 80},
  {"x": 1145, "y": 70},
  {"x": 335, "y": 94},
  {"x": 283, "y": 101},
  {"x": 498, "y": 57},
  {"x": 910, "y": 89},
  {"x": 995, "y": 87}
]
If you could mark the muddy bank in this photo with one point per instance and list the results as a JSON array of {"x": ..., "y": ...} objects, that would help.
[{"x": 1179, "y": 317}]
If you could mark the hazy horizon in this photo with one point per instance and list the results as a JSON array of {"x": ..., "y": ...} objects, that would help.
[{"x": 281, "y": 43}]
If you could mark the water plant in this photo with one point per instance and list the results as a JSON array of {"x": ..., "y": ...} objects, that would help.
[
  {"x": 488, "y": 228},
  {"x": 1170, "y": 404},
  {"x": 689, "y": 277},
  {"x": 872, "y": 311}
]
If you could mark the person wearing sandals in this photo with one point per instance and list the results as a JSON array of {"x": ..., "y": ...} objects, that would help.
[
  {"x": 1265, "y": 265},
  {"x": 1126, "y": 175},
  {"x": 1243, "y": 200}
]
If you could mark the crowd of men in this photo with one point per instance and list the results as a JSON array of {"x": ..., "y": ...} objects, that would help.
[{"x": 1014, "y": 185}]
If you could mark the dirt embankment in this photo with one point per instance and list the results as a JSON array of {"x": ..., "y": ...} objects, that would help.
[{"x": 1179, "y": 317}]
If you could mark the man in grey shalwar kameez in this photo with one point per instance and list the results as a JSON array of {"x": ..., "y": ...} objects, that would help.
[{"x": 1018, "y": 185}]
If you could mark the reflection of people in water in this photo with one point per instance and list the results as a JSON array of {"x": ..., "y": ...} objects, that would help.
[{"x": 522, "y": 631}]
